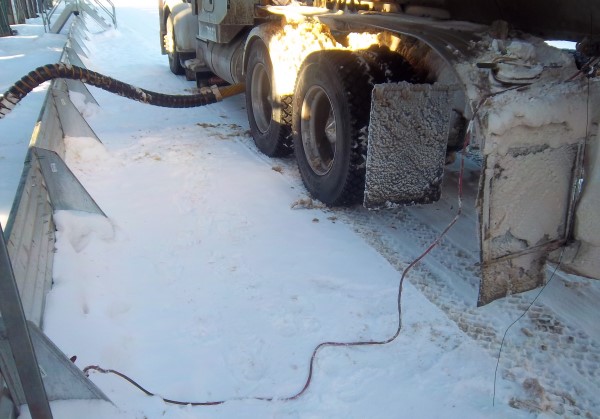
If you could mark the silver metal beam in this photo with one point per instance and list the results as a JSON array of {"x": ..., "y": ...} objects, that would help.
[{"x": 20, "y": 340}]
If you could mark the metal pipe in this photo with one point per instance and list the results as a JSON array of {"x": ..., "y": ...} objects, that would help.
[{"x": 225, "y": 60}]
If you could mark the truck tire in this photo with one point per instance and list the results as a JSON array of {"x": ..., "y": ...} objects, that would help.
[
  {"x": 332, "y": 100},
  {"x": 269, "y": 115},
  {"x": 332, "y": 103},
  {"x": 389, "y": 67},
  {"x": 171, "y": 47}
]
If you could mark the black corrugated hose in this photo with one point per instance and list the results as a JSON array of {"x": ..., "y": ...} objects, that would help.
[{"x": 54, "y": 71}]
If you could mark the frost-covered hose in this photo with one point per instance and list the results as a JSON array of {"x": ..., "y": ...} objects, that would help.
[{"x": 55, "y": 71}]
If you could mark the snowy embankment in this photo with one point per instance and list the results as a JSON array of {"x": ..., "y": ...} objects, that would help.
[{"x": 209, "y": 281}]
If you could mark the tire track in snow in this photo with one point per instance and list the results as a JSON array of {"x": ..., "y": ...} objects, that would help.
[{"x": 449, "y": 278}]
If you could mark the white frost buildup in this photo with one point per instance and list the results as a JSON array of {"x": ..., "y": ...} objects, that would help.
[
  {"x": 86, "y": 109},
  {"x": 552, "y": 114},
  {"x": 78, "y": 228},
  {"x": 85, "y": 151}
]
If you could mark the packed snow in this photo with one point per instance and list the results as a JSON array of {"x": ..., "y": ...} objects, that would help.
[{"x": 215, "y": 276}]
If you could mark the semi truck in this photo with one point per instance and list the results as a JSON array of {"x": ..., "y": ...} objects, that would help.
[{"x": 376, "y": 97}]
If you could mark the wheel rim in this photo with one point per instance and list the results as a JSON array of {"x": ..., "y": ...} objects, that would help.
[
  {"x": 262, "y": 107},
  {"x": 319, "y": 130}
]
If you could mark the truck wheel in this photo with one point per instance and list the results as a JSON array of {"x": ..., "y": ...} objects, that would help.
[
  {"x": 268, "y": 114},
  {"x": 171, "y": 47},
  {"x": 332, "y": 101}
]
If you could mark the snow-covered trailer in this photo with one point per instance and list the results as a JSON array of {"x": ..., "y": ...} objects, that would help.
[{"x": 375, "y": 97}]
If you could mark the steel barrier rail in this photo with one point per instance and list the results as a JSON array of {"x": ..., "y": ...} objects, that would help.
[
  {"x": 69, "y": 7},
  {"x": 46, "y": 185},
  {"x": 112, "y": 14}
]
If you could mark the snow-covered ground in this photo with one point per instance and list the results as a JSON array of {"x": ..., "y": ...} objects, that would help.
[{"x": 212, "y": 279}]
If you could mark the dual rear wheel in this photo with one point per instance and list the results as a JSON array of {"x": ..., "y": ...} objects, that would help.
[{"x": 329, "y": 116}]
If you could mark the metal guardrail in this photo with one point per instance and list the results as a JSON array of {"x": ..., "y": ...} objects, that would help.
[
  {"x": 111, "y": 13},
  {"x": 46, "y": 185},
  {"x": 50, "y": 7},
  {"x": 68, "y": 7}
]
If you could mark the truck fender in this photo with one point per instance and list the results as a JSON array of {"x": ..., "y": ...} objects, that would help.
[
  {"x": 185, "y": 25},
  {"x": 262, "y": 32}
]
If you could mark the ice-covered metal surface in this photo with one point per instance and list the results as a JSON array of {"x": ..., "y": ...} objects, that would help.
[
  {"x": 532, "y": 138},
  {"x": 408, "y": 134},
  {"x": 512, "y": 275},
  {"x": 585, "y": 255},
  {"x": 528, "y": 107},
  {"x": 537, "y": 215}
]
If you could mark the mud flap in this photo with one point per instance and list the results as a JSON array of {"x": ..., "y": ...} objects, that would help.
[{"x": 408, "y": 135}]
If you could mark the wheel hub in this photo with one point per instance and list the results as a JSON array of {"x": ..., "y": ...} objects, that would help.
[
  {"x": 319, "y": 130},
  {"x": 262, "y": 99}
]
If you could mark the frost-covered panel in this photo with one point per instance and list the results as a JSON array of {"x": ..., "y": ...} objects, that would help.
[
  {"x": 525, "y": 214},
  {"x": 529, "y": 194},
  {"x": 532, "y": 140},
  {"x": 586, "y": 258},
  {"x": 408, "y": 134}
]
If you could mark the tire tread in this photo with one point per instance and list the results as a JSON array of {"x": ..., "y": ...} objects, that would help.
[{"x": 357, "y": 73}]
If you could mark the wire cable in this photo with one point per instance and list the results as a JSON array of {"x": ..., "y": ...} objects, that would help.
[
  {"x": 519, "y": 318},
  {"x": 89, "y": 368}
]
